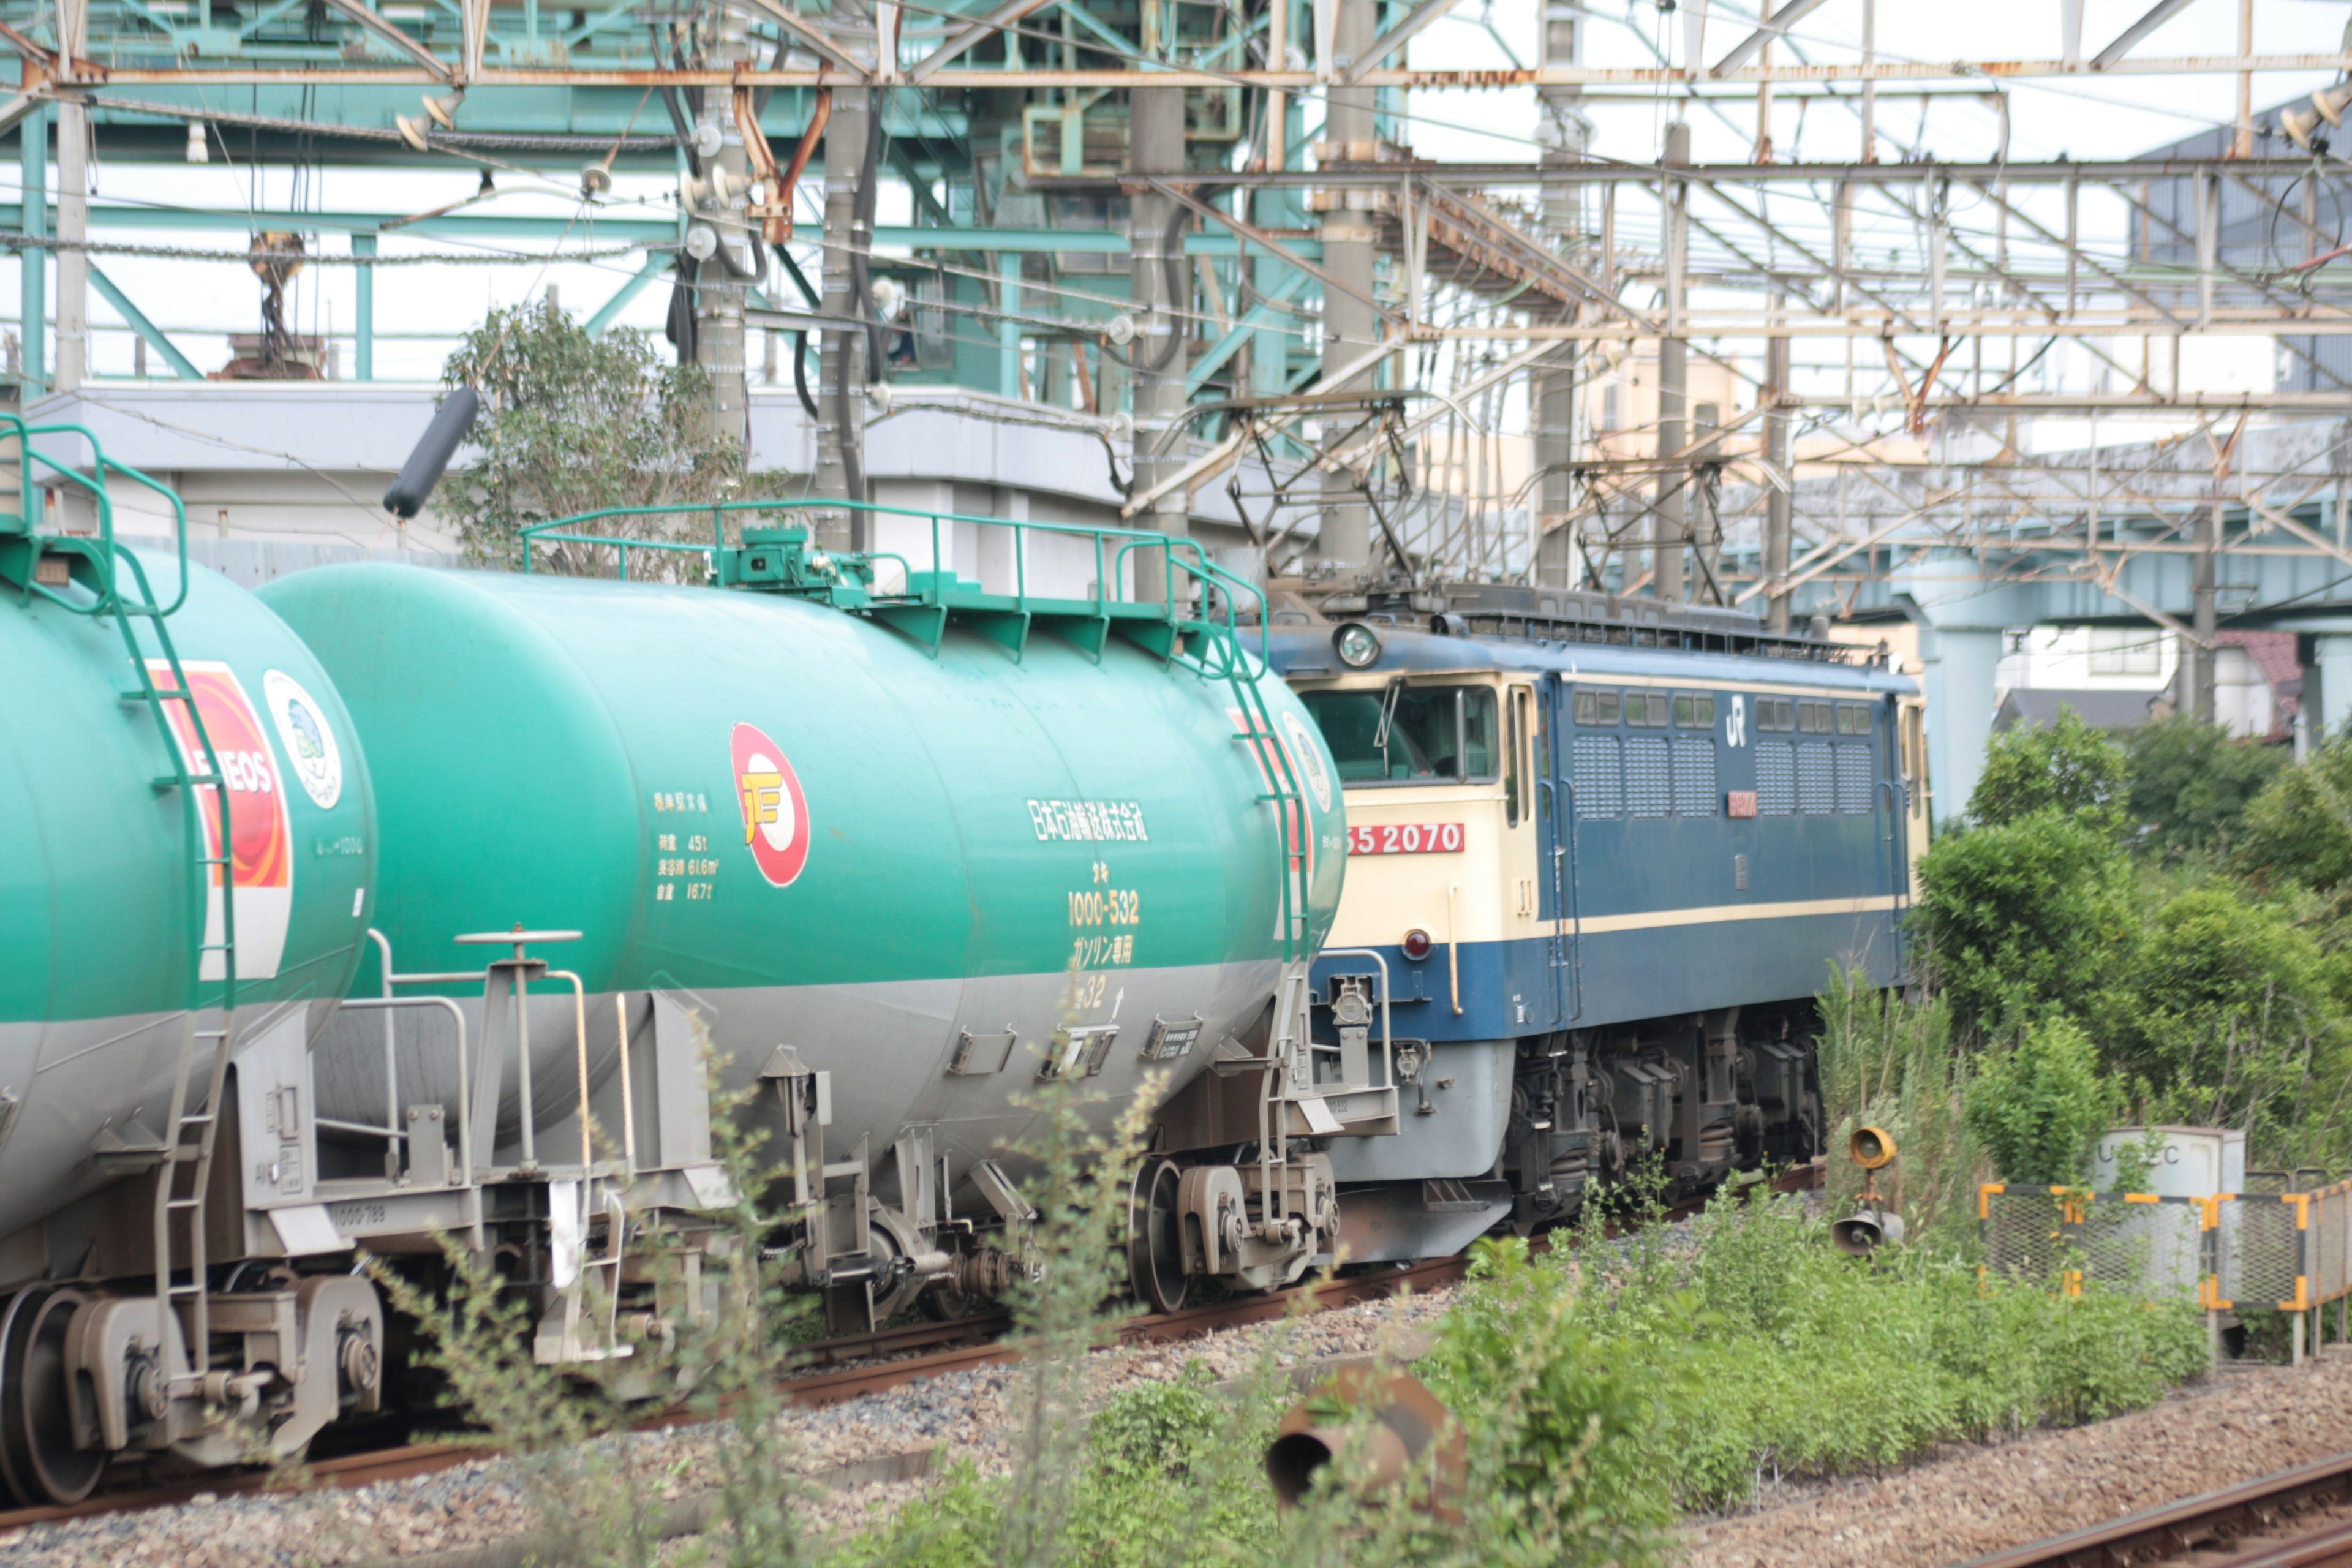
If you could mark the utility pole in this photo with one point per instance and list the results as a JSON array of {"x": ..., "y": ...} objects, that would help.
[
  {"x": 1670, "y": 517},
  {"x": 34, "y": 263},
  {"x": 1779, "y": 502},
  {"x": 1159, "y": 283},
  {"x": 718, "y": 282},
  {"x": 73, "y": 208},
  {"x": 1563, "y": 134},
  {"x": 2198, "y": 659},
  {"x": 1350, "y": 324},
  {"x": 840, "y": 363},
  {"x": 1706, "y": 525}
]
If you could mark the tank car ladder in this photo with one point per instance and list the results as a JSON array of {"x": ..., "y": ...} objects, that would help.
[
  {"x": 175, "y": 1152},
  {"x": 104, "y": 565}
]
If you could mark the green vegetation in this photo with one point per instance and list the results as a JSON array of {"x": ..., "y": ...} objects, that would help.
[
  {"x": 572, "y": 424},
  {"x": 2160, "y": 933}
]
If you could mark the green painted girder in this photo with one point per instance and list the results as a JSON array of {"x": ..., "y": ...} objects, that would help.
[{"x": 553, "y": 110}]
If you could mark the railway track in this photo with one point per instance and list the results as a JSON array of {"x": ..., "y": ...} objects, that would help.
[
  {"x": 832, "y": 1371},
  {"x": 2297, "y": 1519}
]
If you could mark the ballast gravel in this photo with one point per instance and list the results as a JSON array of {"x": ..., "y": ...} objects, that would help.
[
  {"x": 965, "y": 1415},
  {"x": 1970, "y": 1501}
]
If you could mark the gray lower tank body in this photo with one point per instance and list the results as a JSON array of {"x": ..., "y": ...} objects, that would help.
[{"x": 959, "y": 1057}]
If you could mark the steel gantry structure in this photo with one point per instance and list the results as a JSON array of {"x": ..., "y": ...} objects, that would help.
[{"x": 1795, "y": 379}]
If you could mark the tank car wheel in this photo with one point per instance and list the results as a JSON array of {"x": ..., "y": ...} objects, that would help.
[
  {"x": 892, "y": 1238},
  {"x": 37, "y": 1454},
  {"x": 1155, "y": 1238}
]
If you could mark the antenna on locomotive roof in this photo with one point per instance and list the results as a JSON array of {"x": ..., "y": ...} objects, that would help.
[{"x": 451, "y": 424}]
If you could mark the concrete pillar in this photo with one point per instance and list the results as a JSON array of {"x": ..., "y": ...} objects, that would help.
[
  {"x": 1161, "y": 285},
  {"x": 1960, "y": 666},
  {"x": 1350, "y": 326},
  {"x": 1670, "y": 519},
  {"x": 1563, "y": 132},
  {"x": 73, "y": 226},
  {"x": 364, "y": 314},
  {"x": 2332, "y": 652},
  {"x": 840, "y": 364},
  {"x": 33, "y": 177},
  {"x": 1963, "y": 623}
]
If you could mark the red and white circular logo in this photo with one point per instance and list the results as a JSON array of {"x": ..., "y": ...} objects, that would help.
[{"x": 775, "y": 813}]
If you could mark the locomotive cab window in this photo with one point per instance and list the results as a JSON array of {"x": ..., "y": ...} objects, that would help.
[
  {"x": 1516, "y": 807},
  {"x": 1408, "y": 734}
]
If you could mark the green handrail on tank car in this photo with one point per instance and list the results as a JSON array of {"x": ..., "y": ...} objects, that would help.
[{"x": 923, "y": 588}]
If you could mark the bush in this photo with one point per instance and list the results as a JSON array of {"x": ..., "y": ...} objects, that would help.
[
  {"x": 1698, "y": 1363},
  {"x": 1887, "y": 1061},
  {"x": 2190, "y": 783},
  {"x": 2067, "y": 767},
  {"x": 2039, "y": 1108},
  {"x": 2299, "y": 828},
  {"x": 2231, "y": 1019},
  {"x": 2026, "y": 915}
]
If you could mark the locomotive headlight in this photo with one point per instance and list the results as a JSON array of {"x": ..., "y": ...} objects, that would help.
[
  {"x": 1355, "y": 644},
  {"x": 1416, "y": 943}
]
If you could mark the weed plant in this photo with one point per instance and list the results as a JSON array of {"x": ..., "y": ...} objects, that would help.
[{"x": 1702, "y": 1363}]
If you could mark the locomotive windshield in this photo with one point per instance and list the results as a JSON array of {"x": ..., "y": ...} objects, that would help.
[{"x": 1408, "y": 734}]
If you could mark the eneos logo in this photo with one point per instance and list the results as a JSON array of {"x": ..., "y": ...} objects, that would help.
[
  {"x": 262, "y": 832},
  {"x": 775, "y": 813}
]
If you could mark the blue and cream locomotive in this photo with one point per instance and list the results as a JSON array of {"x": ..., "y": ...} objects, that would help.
[{"x": 1602, "y": 854}]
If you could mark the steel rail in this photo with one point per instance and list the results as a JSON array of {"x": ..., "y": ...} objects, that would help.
[{"x": 2258, "y": 1513}]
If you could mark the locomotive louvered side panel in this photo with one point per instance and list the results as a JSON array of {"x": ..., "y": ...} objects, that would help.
[
  {"x": 1776, "y": 778},
  {"x": 1816, "y": 779},
  {"x": 1857, "y": 790},
  {"x": 1695, "y": 786},
  {"x": 1649, "y": 778},
  {"x": 1600, "y": 780}
]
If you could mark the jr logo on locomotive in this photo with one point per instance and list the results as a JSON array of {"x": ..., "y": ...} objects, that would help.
[
  {"x": 775, "y": 813},
  {"x": 261, "y": 833}
]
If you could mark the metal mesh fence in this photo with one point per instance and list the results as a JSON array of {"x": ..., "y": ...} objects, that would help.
[
  {"x": 2260, "y": 1251},
  {"x": 2135, "y": 1241},
  {"x": 2290, "y": 1251}
]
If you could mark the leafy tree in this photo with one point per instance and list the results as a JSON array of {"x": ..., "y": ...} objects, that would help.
[
  {"x": 2026, "y": 915},
  {"x": 2066, "y": 766},
  {"x": 2230, "y": 1019},
  {"x": 573, "y": 424},
  {"x": 2299, "y": 828},
  {"x": 2039, "y": 1108},
  {"x": 2190, "y": 783}
]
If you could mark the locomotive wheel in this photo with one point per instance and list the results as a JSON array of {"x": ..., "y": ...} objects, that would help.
[
  {"x": 1155, "y": 1240},
  {"x": 37, "y": 1438}
]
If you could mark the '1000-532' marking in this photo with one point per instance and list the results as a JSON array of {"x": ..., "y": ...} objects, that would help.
[{"x": 1405, "y": 838}]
